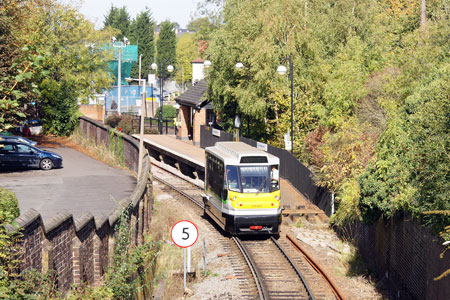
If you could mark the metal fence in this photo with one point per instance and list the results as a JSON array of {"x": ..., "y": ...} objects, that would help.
[
  {"x": 291, "y": 168},
  {"x": 152, "y": 125}
]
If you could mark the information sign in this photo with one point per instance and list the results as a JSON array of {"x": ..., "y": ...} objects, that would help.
[{"x": 184, "y": 234}]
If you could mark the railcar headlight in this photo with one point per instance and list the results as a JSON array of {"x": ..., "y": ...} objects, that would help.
[{"x": 277, "y": 198}]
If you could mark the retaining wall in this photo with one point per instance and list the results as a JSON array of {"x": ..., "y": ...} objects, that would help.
[
  {"x": 406, "y": 255},
  {"x": 80, "y": 250}
]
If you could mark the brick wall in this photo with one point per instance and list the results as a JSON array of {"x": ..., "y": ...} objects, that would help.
[
  {"x": 95, "y": 112},
  {"x": 80, "y": 251},
  {"x": 408, "y": 254}
]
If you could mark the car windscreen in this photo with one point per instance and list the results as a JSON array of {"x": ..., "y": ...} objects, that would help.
[{"x": 255, "y": 179}]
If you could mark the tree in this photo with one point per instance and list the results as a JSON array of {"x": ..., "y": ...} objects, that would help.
[
  {"x": 19, "y": 65},
  {"x": 75, "y": 62},
  {"x": 203, "y": 27},
  {"x": 118, "y": 18},
  {"x": 166, "y": 47},
  {"x": 142, "y": 34},
  {"x": 186, "y": 52}
]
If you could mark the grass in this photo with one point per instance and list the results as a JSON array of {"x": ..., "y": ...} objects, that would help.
[
  {"x": 170, "y": 262},
  {"x": 99, "y": 152}
]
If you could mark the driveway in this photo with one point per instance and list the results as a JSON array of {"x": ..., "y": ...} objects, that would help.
[{"x": 82, "y": 185}]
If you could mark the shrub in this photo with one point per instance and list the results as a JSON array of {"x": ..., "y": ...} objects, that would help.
[
  {"x": 113, "y": 120},
  {"x": 169, "y": 112},
  {"x": 9, "y": 206},
  {"x": 126, "y": 124}
]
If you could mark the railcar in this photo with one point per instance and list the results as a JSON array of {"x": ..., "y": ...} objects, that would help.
[{"x": 242, "y": 190}]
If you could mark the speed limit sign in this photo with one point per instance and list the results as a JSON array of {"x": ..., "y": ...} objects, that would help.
[{"x": 184, "y": 234}]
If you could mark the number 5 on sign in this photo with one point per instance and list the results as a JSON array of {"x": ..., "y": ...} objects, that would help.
[{"x": 184, "y": 234}]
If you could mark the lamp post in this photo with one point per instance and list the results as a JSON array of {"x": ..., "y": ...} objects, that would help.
[
  {"x": 119, "y": 45},
  {"x": 282, "y": 70},
  {"x": 141, "y": 130},
  {"x": 154, "y": 66}
]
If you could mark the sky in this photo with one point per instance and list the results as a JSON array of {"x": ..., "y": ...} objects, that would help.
[{"x": 179, "y": 11}]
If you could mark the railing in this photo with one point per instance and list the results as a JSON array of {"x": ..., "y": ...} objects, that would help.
[{"x": 167, "y": 125}]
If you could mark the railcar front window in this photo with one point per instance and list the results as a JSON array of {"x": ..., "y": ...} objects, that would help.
[{"x": 255, "y": 179}]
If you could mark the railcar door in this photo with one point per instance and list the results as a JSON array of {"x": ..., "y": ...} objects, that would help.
[{"x": 215, "y": 188}]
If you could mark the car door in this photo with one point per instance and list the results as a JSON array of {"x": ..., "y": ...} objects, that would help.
[
  {"x": 26, "y": 156},
  {"x": 7, "y": 151}
]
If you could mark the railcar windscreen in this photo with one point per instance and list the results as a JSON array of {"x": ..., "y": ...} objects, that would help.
[{"x": 255, "y": 179}]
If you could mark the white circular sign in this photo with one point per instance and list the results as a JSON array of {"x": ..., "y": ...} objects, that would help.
[{"x": 184, "y": 234}]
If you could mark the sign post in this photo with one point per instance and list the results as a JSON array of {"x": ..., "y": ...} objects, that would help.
[{"x": 184, "y": 234}]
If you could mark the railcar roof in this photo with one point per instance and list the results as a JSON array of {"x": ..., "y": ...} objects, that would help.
[{"x": 232, "y": 152}]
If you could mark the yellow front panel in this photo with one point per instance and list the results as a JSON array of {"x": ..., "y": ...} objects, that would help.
[{"x": 254, "y": 200}]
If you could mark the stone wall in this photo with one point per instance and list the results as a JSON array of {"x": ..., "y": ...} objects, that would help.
[
  {"x": 406, "y": 255},
  {"x": 80, "y": 250}
]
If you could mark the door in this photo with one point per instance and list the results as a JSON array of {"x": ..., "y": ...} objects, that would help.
[
  {"x": 26, "y": 156},
  {"x": 6, "y": 155}
]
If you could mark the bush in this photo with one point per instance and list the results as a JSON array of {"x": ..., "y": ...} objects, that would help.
[
  {"x": 169, "y": 112},
  {"x": 9, "y": 206},
  {"x": 112, "y": 121},
  {"x": 126, "y": 124}
]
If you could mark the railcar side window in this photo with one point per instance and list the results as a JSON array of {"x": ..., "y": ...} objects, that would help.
[
  {"x": 215, "y": 174},
  {"x": 233, "y": 179}
]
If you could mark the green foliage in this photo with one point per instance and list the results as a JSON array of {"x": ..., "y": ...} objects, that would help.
[
  {"x": 166, "y": 48},
  {"x": 118, "y": 18},
  {"x": 130, "y": 265},
  {"x": 186, "y": 52},
  {"x": 369, "y": 99},
  {"x": 59, "y": 106},
  {"x": 169, "y": 112},
  {"x": 142, "y": 34},
  {"x": 71, "y": 66},
  {"x": 9, "y": 205}
]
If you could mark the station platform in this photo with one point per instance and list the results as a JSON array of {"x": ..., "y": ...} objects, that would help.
[{"x": 290, "y": 197}]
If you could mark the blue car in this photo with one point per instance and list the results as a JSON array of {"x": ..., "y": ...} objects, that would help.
[
  {"x": 22, "y": 155},
  {"x": 19, "y": 139}
]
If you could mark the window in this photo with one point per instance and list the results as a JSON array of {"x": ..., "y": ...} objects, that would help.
[
  {"x": 255, "y": 179},
  {"x": 22, "y": 148},
  {"x": 215, "y": 174},
  {"x": 253, "y": 159},
  {"x": 233, "y": 179},
  {"x": 6, "y": 148}
]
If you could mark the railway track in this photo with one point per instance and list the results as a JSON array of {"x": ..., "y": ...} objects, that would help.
[{"x": 265, "y": 267}]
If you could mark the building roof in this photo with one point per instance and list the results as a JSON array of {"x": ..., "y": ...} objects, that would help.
[{"x": 194, "y": 96}]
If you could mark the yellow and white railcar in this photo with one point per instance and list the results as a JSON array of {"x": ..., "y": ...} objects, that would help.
[{"x": 242, "y": 190}]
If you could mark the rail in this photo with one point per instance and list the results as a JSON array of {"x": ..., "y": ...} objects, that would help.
[
  {"x": 316, "y": 266},
  {"x": 257, "y": 276}
]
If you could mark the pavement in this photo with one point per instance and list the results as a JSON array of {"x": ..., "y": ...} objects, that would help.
[{"x": 82, "y": 185}]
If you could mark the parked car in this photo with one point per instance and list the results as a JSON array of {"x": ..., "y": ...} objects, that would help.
[
  {"x": 22, "y": 155},
  {"x": 19, "y": 139}
]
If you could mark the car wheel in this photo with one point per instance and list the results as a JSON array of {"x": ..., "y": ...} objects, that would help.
[{"x": 46, "y": 164}]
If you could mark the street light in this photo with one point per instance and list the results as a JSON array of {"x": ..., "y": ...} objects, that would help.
[
  {"x": 119, "y": 45},
  {"x": 282, "y": 70},
  {"x": 161, "y": 93},
  {"x": 141, "y": 130}
]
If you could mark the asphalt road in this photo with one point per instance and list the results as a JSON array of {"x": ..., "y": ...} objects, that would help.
[{"x": 82, "y": 185}]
